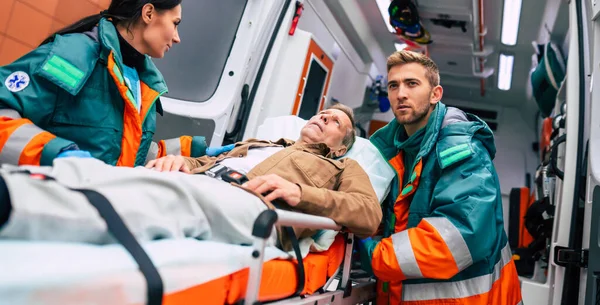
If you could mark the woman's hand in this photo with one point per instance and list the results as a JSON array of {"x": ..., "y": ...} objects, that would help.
[{"x": 169, "y": 163}]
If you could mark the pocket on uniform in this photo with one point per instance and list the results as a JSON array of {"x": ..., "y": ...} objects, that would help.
[
  {"x": 91, "y": 107},
  {"x": 318, "y": 170}
]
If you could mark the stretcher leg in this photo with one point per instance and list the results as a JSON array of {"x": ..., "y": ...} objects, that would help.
[
  {"x": 261, "y": 231},
  {"x": 347, "y": 261}
]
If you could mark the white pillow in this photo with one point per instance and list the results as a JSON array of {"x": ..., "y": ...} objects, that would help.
[{"x": 363, "y": 151}]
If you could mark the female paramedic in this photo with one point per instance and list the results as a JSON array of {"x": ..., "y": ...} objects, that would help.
[{"x": 91, "y": 90}]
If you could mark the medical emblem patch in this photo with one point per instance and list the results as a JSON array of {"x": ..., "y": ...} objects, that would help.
[{"x": 17, "y": 81}]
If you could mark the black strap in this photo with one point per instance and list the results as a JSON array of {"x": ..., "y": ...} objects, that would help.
[
  {"x": 300, "y": 267},
  {"x": 539, "y": 219},
  {"x": 119, "y": 230},
  {"x": 5, "y": 206}
]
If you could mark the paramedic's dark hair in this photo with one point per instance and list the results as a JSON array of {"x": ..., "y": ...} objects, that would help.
[
  {"x": 350, "y": 136},
  {"x": 124, "y": 12}
]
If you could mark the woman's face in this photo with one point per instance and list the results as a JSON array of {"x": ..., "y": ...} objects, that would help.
[{"x": 160, "y": 31}]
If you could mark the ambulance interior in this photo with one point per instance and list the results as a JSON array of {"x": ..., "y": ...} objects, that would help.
[{"x": 245, "y": 67}]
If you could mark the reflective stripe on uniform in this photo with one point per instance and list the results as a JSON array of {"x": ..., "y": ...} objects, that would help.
[
  {"x": 454, "y": 240},
  {"x": 457, "y": 290},
  {"x": 153, "y": 151},
  {"x": 173, "y": 146},
  {"x": 169, "y": 147},
  {"x": 413, "y": 248},
  {"x": 405, "y": 255},
  {"x": 13, "y": 114},
  {"x": 17, "y": 142}
]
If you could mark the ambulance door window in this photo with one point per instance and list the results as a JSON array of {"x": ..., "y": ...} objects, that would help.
[{"x": 192, "y": 68}]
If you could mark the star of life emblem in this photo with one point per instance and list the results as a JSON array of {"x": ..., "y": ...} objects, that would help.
[{"x": 17, "y": 81}]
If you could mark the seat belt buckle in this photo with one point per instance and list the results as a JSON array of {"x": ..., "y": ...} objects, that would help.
[
  {"x": 216, "y": 171},
  {"x": 234, "y": 176}
]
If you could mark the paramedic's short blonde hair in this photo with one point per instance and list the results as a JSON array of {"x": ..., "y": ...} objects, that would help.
[
  {"x": 406, "y": 57},
  {"x": 350, "y": 136}
]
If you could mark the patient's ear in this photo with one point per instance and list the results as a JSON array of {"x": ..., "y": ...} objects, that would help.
[{"x": 340, "y": 151}]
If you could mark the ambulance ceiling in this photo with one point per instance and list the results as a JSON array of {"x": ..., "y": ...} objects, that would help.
[{"x": 452, "y": 48}]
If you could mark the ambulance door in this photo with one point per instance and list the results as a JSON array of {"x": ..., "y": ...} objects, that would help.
[{"x": 208, "y": 73}]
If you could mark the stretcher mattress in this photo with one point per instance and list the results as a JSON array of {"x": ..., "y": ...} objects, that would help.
[
  {"x": 76, "y": 273},
  {"x": 210, "y": 272},
  {"x": 279, "y": 279}
]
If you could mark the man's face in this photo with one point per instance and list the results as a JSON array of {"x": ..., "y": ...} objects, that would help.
[
  {"x": 329, "y": 127},
  {"x": 411, "y": 95}
]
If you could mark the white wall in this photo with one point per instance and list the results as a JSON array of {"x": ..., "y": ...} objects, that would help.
[
  {"x": 350, "y": 74},
  {"x": 515, "y": 156}
]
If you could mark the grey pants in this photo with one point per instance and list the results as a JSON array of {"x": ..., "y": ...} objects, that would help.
[{"x": 152, "y": 204}]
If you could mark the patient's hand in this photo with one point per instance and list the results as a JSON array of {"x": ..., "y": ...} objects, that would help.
[
  {"x": 169, "y": 163},
  {"x": 279, "y": 187}
]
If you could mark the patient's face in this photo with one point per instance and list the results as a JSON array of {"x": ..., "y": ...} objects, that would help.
[{"x": 329, "y": 127}]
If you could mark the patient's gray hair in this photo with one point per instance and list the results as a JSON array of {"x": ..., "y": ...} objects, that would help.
[{"x": 350, "y": 136}]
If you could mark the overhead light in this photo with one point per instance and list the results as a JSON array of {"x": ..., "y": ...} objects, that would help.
[
  {"x": 383, "y": 9},
  {"x": 400, "y": 46},
  {"x": 505, "y": 68},
  {"x": 510, "y": 21}
]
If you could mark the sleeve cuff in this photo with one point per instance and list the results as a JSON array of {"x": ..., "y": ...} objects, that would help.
[
  {"x": 198, "y": 147},
  {"x": 53, "y": 148},
  {"x": 308, "y": 197}
]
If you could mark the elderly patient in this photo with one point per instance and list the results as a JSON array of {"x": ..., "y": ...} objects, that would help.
[
  {"x": 173, "y": 199},
  {"x": 306, "y": 174}
]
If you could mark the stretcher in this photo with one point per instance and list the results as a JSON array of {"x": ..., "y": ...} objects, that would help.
[{"x": 192, "y": 271}]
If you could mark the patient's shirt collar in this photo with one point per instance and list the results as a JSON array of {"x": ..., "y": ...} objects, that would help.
[{"x": 320, "y": 149}]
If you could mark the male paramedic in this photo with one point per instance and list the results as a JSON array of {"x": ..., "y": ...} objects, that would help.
[
  {"x": 304, "y": 176},
  {"x": 443, "y": 233}
]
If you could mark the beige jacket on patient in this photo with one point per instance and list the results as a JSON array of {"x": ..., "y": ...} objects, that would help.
[{"x": 338, "y": 189}]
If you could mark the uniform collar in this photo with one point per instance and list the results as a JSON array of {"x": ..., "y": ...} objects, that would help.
[
  {"x": 385, "y": 138},
  {"x": 109, "y": 42},
  {"x": 131, "y": 56}
]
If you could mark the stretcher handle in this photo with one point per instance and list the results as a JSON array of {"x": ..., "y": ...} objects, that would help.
[
  {"x": 263, "y": 225},
  {"x": 287, "y": 218}
]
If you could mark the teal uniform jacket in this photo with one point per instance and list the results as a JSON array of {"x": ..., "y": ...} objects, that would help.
[
  {"x": 443, "y": 234},
  {"x": 70, "y": 93}
]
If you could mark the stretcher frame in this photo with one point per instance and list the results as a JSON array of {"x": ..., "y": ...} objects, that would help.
[{"x": 346, "y": 291}]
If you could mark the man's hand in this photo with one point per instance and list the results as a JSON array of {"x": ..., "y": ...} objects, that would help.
[
  {"x": 279, "y": 187},
  {"x": 169, "y": 163}
]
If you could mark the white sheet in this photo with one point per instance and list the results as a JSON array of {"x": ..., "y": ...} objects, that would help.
[
  {"x": 68, "y": 273},
  {"x": 152, "y": 204}
]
